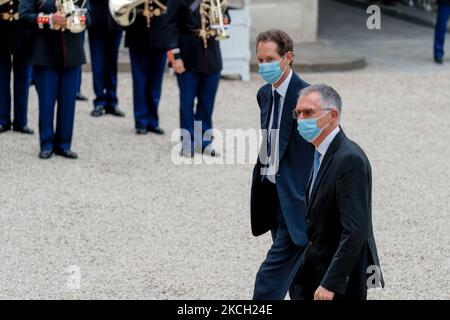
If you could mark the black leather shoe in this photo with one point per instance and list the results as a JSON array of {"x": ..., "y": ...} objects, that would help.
[
  {"x": 439, "y": 60},
  {"x": 115, "y": 111},
  {"x": 4, "y": 128},
  {"x": 156, "y": 130},
  {"x": 98, "y": 111},
  {"x": 81, "y": 97},
  {"x": 45, "y": 154},
  {"x": 67, "y": 154},
  {"x": 141, "y": 131},
  {"x": 25, "y": 130}
]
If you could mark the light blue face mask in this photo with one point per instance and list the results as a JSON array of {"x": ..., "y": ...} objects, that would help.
[
  {"x": 308, "y": 128},
  {"x": 271, "y": 71}
]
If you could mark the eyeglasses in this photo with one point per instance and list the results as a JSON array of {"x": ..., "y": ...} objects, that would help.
[{"x": 307, "y": 113}]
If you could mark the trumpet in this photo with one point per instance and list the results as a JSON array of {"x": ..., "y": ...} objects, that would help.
[
  {"x": 213, "y": 20},
  {"x": 75, "y": 16}
]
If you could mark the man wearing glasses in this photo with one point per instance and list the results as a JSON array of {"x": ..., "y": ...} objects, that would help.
[{"x": 341, "y": 244}]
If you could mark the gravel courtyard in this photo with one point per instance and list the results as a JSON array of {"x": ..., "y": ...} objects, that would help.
[{"x": 138, "y": 226}]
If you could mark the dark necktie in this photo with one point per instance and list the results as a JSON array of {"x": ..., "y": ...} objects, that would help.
[{"x": 276, "y": 113}]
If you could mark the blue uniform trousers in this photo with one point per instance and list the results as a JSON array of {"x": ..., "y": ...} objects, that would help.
[
  {"x": 104, "y": 48},
  {"x": 22, "y": 78},
  {"x": 56, "y": 85},
  {"x": 203, "y": 87},
  {"x": 147, "y": 70},
  {"x": 440, "y": 30}
]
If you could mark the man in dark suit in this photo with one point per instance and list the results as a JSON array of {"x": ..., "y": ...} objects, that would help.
[
  {"x": 104, "y": 42},
  {"x": 281, "y": 173},
  {"x": 14, "y": 50},
  {"x": 145, "y": 40},
  {"x": 339, "y": 205}
]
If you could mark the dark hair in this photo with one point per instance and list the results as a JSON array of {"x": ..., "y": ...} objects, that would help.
[{"x": 282, "y": 39}]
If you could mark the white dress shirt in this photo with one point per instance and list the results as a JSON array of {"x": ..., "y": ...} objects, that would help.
[
  {"x": 275, "y": 136},
  {"x": 323, "y": 147}
]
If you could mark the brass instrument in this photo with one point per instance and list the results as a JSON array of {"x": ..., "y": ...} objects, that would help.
[
  {"x": 124, "y": 12},
  {"x": 2, "y": 2},
  {"x": 213, "y": 21},
  {"x": 75, "y": 16}
]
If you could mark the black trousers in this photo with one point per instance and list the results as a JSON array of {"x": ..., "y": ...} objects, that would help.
[{"x": 283, "y": 260}]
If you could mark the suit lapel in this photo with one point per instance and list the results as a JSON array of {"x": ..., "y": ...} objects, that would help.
[
  {"x": 287, "y": 122},
  {"x": 326, "y": 162}
]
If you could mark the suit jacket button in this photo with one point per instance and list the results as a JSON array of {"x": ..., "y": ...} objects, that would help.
[
  {"x": 308, "y": 221},
  {"x": 310, "y": 243}
]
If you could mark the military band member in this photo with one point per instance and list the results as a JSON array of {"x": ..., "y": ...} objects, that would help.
[
  {"x": 197, "y": 61},
  {"x": 14, "y": 47},
  {"x": 145, "y": 40},
  {"x": 104, "y": 41},
  {"x": 57, "y": 55}
]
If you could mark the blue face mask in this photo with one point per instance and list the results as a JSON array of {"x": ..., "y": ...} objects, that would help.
[
  {"x": 308, "y": 128},
  {"x": 271, "y": 71}
]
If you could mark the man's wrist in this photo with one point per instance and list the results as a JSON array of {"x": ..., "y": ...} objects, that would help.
[
  {"x": 173, "y": 54},
  {"x": 44, "y": 19}
]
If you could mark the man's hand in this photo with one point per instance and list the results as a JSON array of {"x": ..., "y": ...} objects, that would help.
[
  {"x": 59, "y": 20},
  {"x": 178, "y": 66},
  {"x": 323, "y": 294}
]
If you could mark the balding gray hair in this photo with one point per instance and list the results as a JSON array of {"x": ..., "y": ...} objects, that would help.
[{"x": 329, "y": 98}]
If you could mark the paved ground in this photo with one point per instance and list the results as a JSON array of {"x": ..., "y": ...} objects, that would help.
[{"x": 139, "y": 226}]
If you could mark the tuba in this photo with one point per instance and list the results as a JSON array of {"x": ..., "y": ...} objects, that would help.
[
  {"x": 213, "y": 22},
  {"x": 124, "y": 12},
  {"x": 76, "y": 16}
]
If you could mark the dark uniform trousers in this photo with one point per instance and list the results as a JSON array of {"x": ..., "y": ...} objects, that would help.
[
  {"x": 278, "y": 271},
  {"x": 104, "y": 42},
  {"x": 147, "y": 70},
  {"x": 203, "y": 87},
  {"x": 146, "y": 44},
  {"x": 14, "y": 51},
  {"x": 22, "y": 78},
  {"x": 56, "y": 85},
  {"x": 104, "y": 46},
  {"x": 441, "y": 27}
]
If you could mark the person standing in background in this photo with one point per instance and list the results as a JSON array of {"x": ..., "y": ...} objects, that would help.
[
  {"x": 440, "y": 30},
  {"x": 14, "y": 50},
  {"x": 57, "y": 55},
  {"x": 104, "y": 41},
  {"x": 197, "y": 62},
  {"x": 145, "y": 40}
]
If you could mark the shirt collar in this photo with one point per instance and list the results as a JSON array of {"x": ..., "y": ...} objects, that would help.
[
  {"x": 323, "y": 147},
  {"x": 283, "y": 87}
]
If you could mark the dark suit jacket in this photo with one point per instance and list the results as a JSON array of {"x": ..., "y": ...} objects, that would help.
[
  {"x": 51, "y": 48},
  {"x": 339, "y": 217},
  {"x": 296, "y": 156},
  {"x": 15, "y": 37},
  {"x": 140, "y": 38},
  {"x": 180, "y": 26}
]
